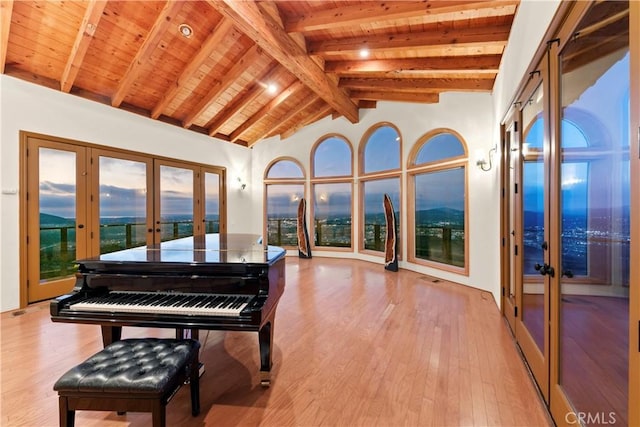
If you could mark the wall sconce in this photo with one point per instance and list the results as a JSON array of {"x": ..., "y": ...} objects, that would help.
[
  {"x": 241, "y": 184},
  {"x": 482, "y": 162}
]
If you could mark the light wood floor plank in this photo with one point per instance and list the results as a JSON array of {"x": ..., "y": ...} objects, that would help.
[{"x": 355, "y": 345}]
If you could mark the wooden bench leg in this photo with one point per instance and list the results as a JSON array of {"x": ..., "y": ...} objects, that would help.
[
  {"x": 194, "y": 383},
  {"x": 67, "y": 417},
  {"x": 159, "y": 414}
]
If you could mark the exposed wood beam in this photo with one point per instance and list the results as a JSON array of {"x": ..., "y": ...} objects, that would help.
[
  {"x": 427, "y": 85},
  {"x": 424, "y": 98},
  {"x": 305, "y": 119},
  {"x": 314, "y": 117},
  {"x": 165, "y": 19},
  {"x": 482, "y": 75},
  {"x": 465, "y": 36},
  {"x": 249, "y": 58},
  {"x": 87, "y": 29},
  {"x": 384, "y": 11},
  {"x": 295, "y": 118},
  {"x": 268, "y": 34},
  {"x": 6, "y": 9},
  {"x": 214, "y": 39},
  {"x": 244, "y": 98},
  {"x": 260, "y": 114},
  {"x": 366, "y": 103},
  {"x": 448, "y": 64}
]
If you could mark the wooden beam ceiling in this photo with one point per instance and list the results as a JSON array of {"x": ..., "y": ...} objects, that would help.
[
  {"x": 130, "y": 55},
  {"x": 379, "y": 12},
  {"x": 269, "y": 35}
]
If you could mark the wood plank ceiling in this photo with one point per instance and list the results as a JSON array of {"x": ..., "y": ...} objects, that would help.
[{"x": 251, "y": 70}]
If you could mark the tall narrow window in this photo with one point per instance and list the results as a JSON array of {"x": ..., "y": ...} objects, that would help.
[
  {"x": 284, "y": 188},
  {"x": 379, "y": 175},
  {"x": 332, "y": 192},
  {"x": 437, "y": 173}
]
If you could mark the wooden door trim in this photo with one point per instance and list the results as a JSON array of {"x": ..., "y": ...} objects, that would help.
[
  {"x": 30, "y": 290},
  {"x": 634, "y": 291}
]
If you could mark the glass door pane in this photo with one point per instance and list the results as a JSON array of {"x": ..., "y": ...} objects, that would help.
[
  {"x": 595, "y": 190},
  {"x": 57, "y": 197},
  {"x": 212, "y": 202},
  {"x": 56, "y": 217},
  {"x": 533, "y": 219},
  {"x": 122, "y": 203},
  {"x": 176, "y": 203}
]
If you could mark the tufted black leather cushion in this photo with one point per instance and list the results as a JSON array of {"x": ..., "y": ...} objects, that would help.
[{"x": 143, "y": 365}]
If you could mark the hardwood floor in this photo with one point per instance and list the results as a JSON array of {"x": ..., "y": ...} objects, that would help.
[{"x": 354, "y": 345}]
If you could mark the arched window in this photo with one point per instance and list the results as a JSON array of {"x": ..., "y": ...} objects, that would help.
[
  {"x": 332, "y": 164},
  {"x": 380, "y": 154},
  {"x": 284, "y": 187},
  {"x": 438, "y": 179}
]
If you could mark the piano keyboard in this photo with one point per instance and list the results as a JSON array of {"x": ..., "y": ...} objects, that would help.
[{"x": 195, "y": 304}]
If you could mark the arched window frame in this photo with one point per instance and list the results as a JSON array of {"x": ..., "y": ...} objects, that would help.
[
  {"x": 297, "y": 181},
  {"x": 338, "y": 179},
  {"x": 413, "y": 170},
  {"x": 363, "y": 178}
]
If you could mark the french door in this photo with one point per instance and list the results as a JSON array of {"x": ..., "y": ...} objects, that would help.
[
  {"x": 529, "y": 227},
  {"x": 567, "y": 219},
  {"x": 591, "y": 293},
  {"x": 56, "y": 225},
  {"x": 82, "y": 201},
  {"x": 187, "y": 200}
]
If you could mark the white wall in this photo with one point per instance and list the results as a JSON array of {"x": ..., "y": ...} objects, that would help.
[
  {"x": 531, "y": 22},
  {"x": 33, "y": 108}
]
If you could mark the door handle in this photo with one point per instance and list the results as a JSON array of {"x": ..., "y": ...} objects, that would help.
[{"x": 545, "y": 269}]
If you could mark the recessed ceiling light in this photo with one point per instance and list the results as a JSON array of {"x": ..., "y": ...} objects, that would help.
[
  {"x": 272, "y": 88},
  {"x": 185, "y": 30},
  {"x": 364, "y": 53}
]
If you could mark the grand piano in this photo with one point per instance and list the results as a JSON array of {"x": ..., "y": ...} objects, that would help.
[{"x": 213, "y": 282}]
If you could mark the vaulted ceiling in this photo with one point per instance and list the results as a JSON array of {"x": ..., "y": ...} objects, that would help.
[{"x": 245, "y": 70}]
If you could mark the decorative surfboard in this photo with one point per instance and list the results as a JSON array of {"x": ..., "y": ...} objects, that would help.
[
  {"x": 304, "y": 249},
  {"x": 391, "y": 241}
]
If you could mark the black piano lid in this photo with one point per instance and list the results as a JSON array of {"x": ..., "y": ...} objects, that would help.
[{"x": 211, "y": 248}]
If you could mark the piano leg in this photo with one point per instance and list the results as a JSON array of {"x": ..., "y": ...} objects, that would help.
[
  {"x": 111, "y": 334},
  {"x": 182, "y": 333},
  {"x": 265, "y": 336}
]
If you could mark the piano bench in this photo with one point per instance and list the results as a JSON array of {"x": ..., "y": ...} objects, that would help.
[{"x": 136, "y": 375}]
